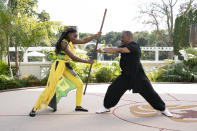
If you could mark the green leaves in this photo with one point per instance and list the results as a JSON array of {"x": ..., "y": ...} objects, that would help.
[
  {"x": 181, "y": 72},
  {"x": 104, "y": 75},
  {"x": 182, "y": 30},
  {"x": 44, "y": 16},
  {"x": 28, "y": 7}
]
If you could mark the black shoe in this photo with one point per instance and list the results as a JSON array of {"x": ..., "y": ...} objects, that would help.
[
  {"x": 32, "y": 113},
  {"x": 55, "y": 109},
  {"x": 79, "y": 108}
]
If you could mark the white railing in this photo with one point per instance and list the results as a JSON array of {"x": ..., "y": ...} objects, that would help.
[
  {"x": 40, "y": 69},
  {"x": 42, "y": 49},
  {"x": 157, "y": 49}
]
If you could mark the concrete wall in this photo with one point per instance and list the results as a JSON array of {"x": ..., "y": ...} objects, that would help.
[
  {"x": 38, "y": 69},
  {"x": 41, "y": 69}
]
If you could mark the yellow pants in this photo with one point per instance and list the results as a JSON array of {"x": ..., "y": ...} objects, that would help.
[
  {"x": 77, "y": 82},
  {"x": 59, "y": 69}
]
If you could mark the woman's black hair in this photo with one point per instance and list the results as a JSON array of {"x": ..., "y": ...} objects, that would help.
[{"x": 64, "y": 35}]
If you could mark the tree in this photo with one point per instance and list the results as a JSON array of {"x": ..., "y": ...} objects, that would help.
[
  {"x": 182, "y": 30},
  {"x": 20, "y": 27},
  {"x": 186, "y": 6},
  {"x": 2, "y": 36},
  {"x": 164, "y": 10},
  {"x": 44, "y": 16},
  {"x": 142, "y": 41},
  {"x": 6, "y": 29},
  {"x": 84, "y": 35},
  {"x": 90, "y": 51},
  {"x": 112, "y": 38},
  {"x": 28, "y": 7},
  {"x": 154, "y": 17},
  {"x": 19, "y": 9}
]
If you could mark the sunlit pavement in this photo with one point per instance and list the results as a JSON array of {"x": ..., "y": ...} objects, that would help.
[{"x": 132, "y": 112}]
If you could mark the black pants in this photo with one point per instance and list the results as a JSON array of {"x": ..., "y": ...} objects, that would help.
[{"x": 120, "y": 86}]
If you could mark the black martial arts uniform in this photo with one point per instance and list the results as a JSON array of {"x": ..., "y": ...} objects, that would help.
[{"x": 132, "y": 77}]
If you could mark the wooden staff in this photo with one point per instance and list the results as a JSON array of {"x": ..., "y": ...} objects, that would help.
[{"x": 95, "y": 51}]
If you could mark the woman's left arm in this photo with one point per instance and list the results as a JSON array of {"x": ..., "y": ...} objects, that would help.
[{"x": 86, "y": 40}]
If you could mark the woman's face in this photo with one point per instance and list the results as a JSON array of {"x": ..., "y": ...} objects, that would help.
[{"x": 73, "y": 36}]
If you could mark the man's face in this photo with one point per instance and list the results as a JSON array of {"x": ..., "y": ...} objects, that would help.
[
  {"x": 125, "y": 39},
  {"x": 73, "y": 36}
]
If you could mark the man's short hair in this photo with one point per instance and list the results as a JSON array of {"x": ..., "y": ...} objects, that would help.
[{"x": 128, "y": 33}]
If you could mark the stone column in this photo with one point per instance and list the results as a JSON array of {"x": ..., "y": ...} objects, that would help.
[{"x": 156, "y": 54}]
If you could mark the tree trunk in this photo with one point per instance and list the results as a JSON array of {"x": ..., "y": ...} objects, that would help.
[
  {"x": 16, "y": 61},
  {"x": 172, "y": 25},
  {"x": 8, "y": 54},
  {"x": 1, "y": 52}
]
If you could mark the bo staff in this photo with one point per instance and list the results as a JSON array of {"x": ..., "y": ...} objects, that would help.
[{"x": 95, "y": 52}]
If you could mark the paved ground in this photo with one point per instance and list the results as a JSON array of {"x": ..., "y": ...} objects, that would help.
[{"x": 132, "y": 113}]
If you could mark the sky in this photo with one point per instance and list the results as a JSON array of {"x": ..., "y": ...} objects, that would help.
[{"x": 87, "y": 14}]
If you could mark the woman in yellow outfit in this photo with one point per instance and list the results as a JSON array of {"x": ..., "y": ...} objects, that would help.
[{"x": 62, "y": 78}]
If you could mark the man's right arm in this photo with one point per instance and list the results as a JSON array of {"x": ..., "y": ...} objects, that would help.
[{"x": 114, "y": 50}]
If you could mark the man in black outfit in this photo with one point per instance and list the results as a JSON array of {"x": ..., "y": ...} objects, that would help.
[{"x": 132, "y": 77}]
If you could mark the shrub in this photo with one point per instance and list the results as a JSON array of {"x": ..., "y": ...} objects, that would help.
[
  {"x": 83, "y": 69},
  {"x": 4, "y": 69},
  {"x": 155, "y": 75},
  {"x": 44, "y": 80},
  {"x": 31, "y": 80},
  {"x": 9, "y": 83},
  {"x": 185, "y": 71},
  {"x": 116, "y": 71},
  {"x": 104, "y": 75},
  {"x": 14, "y": 83}
]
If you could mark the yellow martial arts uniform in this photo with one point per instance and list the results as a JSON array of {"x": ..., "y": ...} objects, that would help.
[{"x": 59, "y": 69}]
